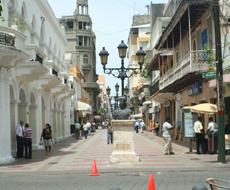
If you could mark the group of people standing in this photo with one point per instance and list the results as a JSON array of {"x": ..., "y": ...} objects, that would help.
[
  {"x": 24, "y": 139},
  {"x": 200, "y": 134}
]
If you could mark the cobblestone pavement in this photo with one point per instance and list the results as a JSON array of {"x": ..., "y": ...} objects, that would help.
[{"x": 70, "y": 162}]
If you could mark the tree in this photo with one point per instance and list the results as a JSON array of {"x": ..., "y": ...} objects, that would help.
[{"x": 101, "y": 111}]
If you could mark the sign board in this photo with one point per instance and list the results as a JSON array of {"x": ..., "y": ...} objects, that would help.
[
  {"x": 195, "y": 89},
  {"x": 208, "y": 75},
  {"x": 189, "y": 119},
  {"x": 167, "y": 104}
]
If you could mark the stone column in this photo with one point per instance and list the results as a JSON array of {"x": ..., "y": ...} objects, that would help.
[
  {"x": 5, "y": 140},
  {"x": 123, "y": 141},
  {"x": 39, "y": 120}
]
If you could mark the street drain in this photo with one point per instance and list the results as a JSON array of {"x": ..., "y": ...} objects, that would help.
[
  {"x": 194, "y": 159},
  {"x": 53, "y": 162},
  {"x": 129, "y": 174}
]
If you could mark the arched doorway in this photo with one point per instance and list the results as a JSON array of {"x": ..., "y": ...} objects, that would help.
[
  {"x": 59, "y": 122},
  {"x": 22, "y": 106},
  {"x": 13, "y": 121},
  {"x": 32, "y": 116}
]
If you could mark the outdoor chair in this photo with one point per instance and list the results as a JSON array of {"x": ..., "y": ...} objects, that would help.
[{"x": 214, "y": 186}]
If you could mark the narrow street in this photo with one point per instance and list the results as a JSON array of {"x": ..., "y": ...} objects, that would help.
[{"x": 70, "y": 162}]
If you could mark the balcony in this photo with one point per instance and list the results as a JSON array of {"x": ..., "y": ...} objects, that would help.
[
  {"x": 184, "y": 73},
  {"x": 12, "y": 47},
  {"x": 86, "y": 67}
]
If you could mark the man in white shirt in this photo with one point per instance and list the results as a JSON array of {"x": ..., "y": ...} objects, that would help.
[
  {"x": 200, "y": 140},
  {"x": 167, "y": 135},
  {"x": 86, "y": 127},
  {"x": 212, "y": 126},
  {"x": 20, "y": 138},
  {"x": 142, "y": 124},
  {"x": 89, "y": 127}
]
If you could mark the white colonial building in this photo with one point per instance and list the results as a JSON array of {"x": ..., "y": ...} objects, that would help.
[{"x": 34, "y": 73}]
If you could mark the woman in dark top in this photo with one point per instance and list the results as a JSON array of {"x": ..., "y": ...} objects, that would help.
[{"x": 47, "y": 137}]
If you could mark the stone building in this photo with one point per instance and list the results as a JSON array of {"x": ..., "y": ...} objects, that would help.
[
  {"x": 82, "y": 44},
  {"x": 34, "y": 74}
]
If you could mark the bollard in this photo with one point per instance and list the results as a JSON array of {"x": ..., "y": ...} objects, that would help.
[
  {"x": 199, "y": 187},
  {"x": 114, "y": 189}
]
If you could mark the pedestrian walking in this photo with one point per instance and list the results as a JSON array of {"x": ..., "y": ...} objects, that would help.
[
  {"x": 77, "y": 130},
  {"x": 89, "y": 127},
  {"x": 103, "y": 124},
  {"x": 86, "y": 127},
  {"x": 200, "y": 139},
  {"x": 136, "y": 126},
  {"x": 167, "y": 135},
  {"x": 157, "y": 127},
  {"x": 47, "y": 137},
  {"x": 28, "y": 141},
  {"x": 109, "y": 132},
  {"x": 142, "y": 124},
  {"x": 20, "y": 138}
]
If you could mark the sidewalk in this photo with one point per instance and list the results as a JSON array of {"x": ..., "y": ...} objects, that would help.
[{"x": 77, "y": 155}]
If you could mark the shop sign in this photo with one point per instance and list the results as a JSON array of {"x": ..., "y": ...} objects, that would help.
[
  {"x": 189, "y": 120},
  {"x": 167, "y": 104},
  {"x": 195, "y": 89},
  {"x": 208, "y": 75}
]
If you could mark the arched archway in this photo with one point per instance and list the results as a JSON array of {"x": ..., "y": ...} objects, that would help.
[{"x": 22, "y": 106}]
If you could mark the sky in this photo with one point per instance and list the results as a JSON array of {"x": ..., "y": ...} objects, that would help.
[{"x": 112, "y": 20}]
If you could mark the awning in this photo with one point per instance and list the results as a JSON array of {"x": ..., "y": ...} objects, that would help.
[
  {"x": 139, "y": 115},
  {"x": 97, "y": 117},
  {"x": 141, "y": 95},
  {"x": 203, "y": 108},
  {"x": 162, "y": 97},
  {"x": 81, "y": 106},
  {"x": 147, "y": 103}
]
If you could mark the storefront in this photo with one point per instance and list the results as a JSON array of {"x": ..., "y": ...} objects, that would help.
[{"x": 197, "y": 94}]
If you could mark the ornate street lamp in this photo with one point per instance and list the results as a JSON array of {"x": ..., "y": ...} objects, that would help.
[
  {"x": 117, "y": 87},
  {"x": 122, "y": 72},
  {"x": 108, "y": 90},
  {"x": 126, "y": 90}
]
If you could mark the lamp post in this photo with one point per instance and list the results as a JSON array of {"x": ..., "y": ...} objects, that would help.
[{"x": 122, "y": 72}]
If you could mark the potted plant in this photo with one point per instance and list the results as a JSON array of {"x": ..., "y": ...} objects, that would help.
[{"x": 17, "y": 22}]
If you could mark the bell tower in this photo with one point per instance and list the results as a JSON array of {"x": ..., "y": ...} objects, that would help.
[{"x": 82, "y": 7}]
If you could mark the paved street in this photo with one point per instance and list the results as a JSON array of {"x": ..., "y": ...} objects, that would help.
[{"x": 70, "y": 163}]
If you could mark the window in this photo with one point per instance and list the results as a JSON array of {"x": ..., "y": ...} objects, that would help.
[
  {"x": 84, "y": 25},
  {"x": 172, "y": 63},
  {"x": 182, "y": 51},
  {"x": 70, "y": 25},
  {"x": 85, "y": 59},
  {"x": 80, "y": 40},
  {"x": 89, "y": 41},
  {"x": 80, "y": 25},
  {"x": 144, "y": 45},
  {"x": 85, "y": 41},
  {"x": 199, "y": 42},
  {"x": 177, "y": 56}
]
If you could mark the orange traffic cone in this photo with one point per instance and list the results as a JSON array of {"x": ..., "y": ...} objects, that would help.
[
  {"x": 94, "y": 169},
  {"x": 151, "y": 183}
]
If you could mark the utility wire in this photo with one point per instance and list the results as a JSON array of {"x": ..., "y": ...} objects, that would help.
[
  {"x": 130, "y": 6},
  {"x": 109, "y": 34}
]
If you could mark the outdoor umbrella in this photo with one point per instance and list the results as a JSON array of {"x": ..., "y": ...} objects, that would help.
[{"x": 204, "y": 108}]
